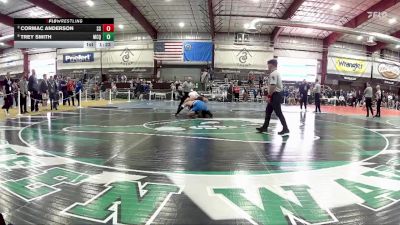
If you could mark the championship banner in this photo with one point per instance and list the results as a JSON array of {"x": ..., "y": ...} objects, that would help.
[
  {"x": 387, "y": 70},
  {"x": 242, "y": 57},
  {"x": 349, "y": 67}
]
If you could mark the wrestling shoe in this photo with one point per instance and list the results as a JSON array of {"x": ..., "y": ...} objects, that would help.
[
  {"x": 284, "y": 132},
  {"x": 261, "y": 129}
]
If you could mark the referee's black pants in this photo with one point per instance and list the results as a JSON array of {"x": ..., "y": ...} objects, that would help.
[
  {"x": 303, "y": 100},
  {"x": 183, "y": 98},
  {"x": 378, "y": 108},
  {"x": 368, "y": 103},
  {"x": 317, "y": 102},
  {"x": 275, "y": 105}
]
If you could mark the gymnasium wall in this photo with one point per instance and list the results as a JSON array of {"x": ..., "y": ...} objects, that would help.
[
  {"x": 133, "y": 57},
  {"x": 11, "y": 61},
  {"x": 180, "y": 73},
  {"x": 133, "y": 54},
  {"x": 306, "y": 48},
  {"x": 43, "y": 61}
]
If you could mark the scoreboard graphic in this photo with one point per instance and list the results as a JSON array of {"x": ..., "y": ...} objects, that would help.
[{"x": 63, "y": 33}]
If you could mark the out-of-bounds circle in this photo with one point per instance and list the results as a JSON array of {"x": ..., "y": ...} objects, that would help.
[{"x": 202, "y": 146}]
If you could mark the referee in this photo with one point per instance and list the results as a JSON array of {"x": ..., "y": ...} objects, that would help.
[
  {"x": 187, "y": 87},
  {"x": 368, "y": 99},
  {"x": 274, "y": 99}
]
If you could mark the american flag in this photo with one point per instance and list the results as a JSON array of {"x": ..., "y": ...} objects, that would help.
[{"x": 168, "y": 51}]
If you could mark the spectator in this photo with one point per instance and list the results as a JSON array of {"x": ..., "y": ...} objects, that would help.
[
  {"x": 230, "y": 92},
  {"x": 303, "y": 89},
  {"x": 342, "y": 100},
  {"x": 245, "y": 95},
  {"x": 353, "y": 98},
  {"x": 103, "y": 91},
  {"x": 236, "y": 92},
  {"x": 23, "y": 90},
  {"x": 14, "y": 89},
  {"x": 204, "y": 79},
  {"x": 114, "y": 89},
  {"x": 173, "y": 90},
  {"x": 33, "y": 88},
  {"x": 390, "y": 100},
  {"x": 53, "y": 93},
  {"x": 63, "y": 89},
  {"x": 70, "y": 91},
  {"x": 8, "y": 95},
  {"x": 95, "y": 90},
  {"x": 44, "y": 90},
  {"x": 78, "y": 92}
]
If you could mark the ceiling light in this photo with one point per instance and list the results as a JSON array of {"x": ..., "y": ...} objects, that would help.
[
  {"x": 121, "y": 26},
  {"x": 256, "y": 1},
  {"x": 397, "y": 46},
  {"x": 360, "y": 38},
  {"x": 3, "y": 1},
  {"x": 370, "y": 41},
  {"x": 335, "y": 7},
  {"x": 392, "y": 20},
  {"x": 246, "y": 25},
  {"x": 181, "y": 24},
  {"x": 90, "y": 3},
  {"x": 34, "y": 14},
  {"x": 295, "y": 42},
  {"x": 1, "y": 43}
]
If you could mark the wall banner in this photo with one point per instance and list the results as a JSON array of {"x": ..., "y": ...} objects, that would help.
[
  {"x": 78, "y": 57},
  {"x": 387, "y": 70},
  {"x": 349, "y": 67},
  {"x": 127, "y": 71},
  {"x": 241, "y": 57},
  {"x": 129, "y": 57},
  {"x": 243, "y": 72}
]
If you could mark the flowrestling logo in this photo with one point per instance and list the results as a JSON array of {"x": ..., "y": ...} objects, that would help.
[
  {"x": 78, "y": 57},
  {"x": 353, "y": 66}
]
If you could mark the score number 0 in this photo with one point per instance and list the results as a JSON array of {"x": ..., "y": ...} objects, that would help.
[{"x": 108, "y": 27}]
